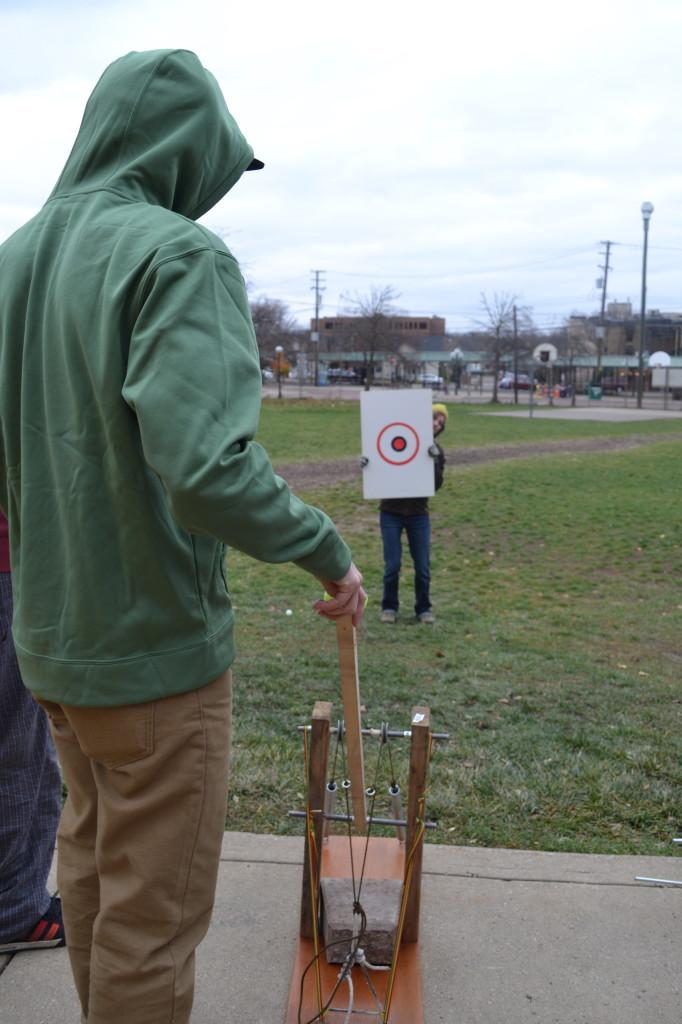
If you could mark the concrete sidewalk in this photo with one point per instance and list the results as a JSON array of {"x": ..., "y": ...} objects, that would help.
[
  {"x": 594, "y": 412},
  {"x": 508, "y": 937}
]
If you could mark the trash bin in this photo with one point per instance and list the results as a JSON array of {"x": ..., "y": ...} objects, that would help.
[{"x": 593, "y": 391}]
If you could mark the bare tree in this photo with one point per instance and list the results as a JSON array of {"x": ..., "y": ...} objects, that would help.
[
  {"x": 274, "y": 325},
  {"x": 571, "y": 345},
  {"x": 503, "y": 323},
  {"x": 370, "y": 330}
]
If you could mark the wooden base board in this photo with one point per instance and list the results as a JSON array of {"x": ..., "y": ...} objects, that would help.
[{"x": 385, "y": 859}]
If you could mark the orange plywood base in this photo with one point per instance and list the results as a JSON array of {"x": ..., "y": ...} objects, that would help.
[{"x": 385, "y": 859}]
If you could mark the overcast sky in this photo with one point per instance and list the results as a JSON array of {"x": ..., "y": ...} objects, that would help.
[{"x": 444, "y": 149}]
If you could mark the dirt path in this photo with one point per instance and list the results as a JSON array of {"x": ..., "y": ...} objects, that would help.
[{"x": 304, "y": 476}]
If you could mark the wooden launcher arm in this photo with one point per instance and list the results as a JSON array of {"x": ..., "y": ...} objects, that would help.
[{"x": 350, "y": 692}]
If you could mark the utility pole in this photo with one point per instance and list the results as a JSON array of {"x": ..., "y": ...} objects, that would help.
[
  {"x": 516, "y": 357},
  {"x": 605, "y": 266},
  {"x": 315, "y": 335}
]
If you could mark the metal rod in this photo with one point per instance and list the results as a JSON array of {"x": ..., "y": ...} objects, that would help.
[
  {"x": 389, "y": 822},
  {"x": 397, "y": 808},
  {"x": 394, "y": 734},
  {"x": 359, "y": 1013},
  {"x": 329, "y": 804},
  {"x": 404, "y": 734},
  {"x": 657, "y": 881}
]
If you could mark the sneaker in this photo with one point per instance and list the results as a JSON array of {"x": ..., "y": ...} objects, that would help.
[
  {"x": 426, "y": 618},
  {"x": 47, "y": 933},
  {"x": 388, "y": 615}
]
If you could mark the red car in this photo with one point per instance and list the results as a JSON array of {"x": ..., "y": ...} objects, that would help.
[{"x": 522, "y": 382}]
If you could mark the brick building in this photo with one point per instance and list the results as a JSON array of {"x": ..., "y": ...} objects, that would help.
[
  {"x": 407, "y": 332},
  {"x": 618, "y": 333}
]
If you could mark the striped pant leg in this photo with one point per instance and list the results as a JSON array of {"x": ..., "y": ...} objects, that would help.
[{"x": 30, "y": 791}]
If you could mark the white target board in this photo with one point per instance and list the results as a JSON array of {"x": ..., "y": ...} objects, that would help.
[{"x": 397, "y": 431}]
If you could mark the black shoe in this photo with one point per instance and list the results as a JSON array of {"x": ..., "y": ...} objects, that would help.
[{"x": 47, "y": 933}]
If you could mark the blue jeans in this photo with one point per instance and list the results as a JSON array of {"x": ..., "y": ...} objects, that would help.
[{"x": 418, "y": 530}]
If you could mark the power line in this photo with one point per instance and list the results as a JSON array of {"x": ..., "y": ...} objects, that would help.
[
  {"x": 659, "y": 248},
  {"x": 454, "y": 275}
]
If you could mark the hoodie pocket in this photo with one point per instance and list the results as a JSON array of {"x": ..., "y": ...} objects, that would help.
[{"x": 210, "y": 582}]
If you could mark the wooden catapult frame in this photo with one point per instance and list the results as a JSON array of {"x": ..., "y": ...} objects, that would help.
[{"x": 397, "y": 998}]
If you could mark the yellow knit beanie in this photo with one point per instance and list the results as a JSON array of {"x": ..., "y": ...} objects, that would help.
[{"x": 439, "y": 407}]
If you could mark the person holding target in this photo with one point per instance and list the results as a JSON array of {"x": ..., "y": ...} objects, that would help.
[{"x": 412, "y": 516}]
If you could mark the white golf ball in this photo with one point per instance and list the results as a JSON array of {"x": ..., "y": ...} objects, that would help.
[{"x": 288, "y": 612}]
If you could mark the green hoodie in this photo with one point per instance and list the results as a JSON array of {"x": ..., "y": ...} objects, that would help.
[{"x": 129, "y": 399}]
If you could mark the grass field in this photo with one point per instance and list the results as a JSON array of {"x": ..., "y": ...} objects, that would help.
[
  {"x": 301, "y": 431},
  {"x": 554, "y": 662}
]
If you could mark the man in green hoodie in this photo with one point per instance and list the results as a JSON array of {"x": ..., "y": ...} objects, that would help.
[{"x": 129, "y": 399}]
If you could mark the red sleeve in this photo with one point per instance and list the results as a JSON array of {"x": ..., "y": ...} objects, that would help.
[{"x": 4, "y": 545}]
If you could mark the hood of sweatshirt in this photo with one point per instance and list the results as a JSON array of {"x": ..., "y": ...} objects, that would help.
[{"x": 156, "y": 129}]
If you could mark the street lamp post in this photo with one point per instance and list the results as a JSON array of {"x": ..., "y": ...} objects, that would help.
[
  {"x": 456, "y": 357},
  {"x": 279, "y": 351},
  {"x": 647, "y": 210}
]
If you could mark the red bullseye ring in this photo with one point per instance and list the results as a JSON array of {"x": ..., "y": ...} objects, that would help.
[{"x": 398, "y": 444}]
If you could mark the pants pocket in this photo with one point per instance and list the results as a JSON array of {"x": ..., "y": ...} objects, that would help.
[{"x": 114, "y": 737}]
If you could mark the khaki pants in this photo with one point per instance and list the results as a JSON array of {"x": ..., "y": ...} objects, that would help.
[{"x": 139, "y": 845}]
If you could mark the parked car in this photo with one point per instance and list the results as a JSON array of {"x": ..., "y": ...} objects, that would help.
[
  {"x": 613, "y": 385},
  {"x": 430, "y": 380},
  {"x": 335, "y": 374},
  {"x": 522, "y": 382},
  {"x": 267, "y": 374}
]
